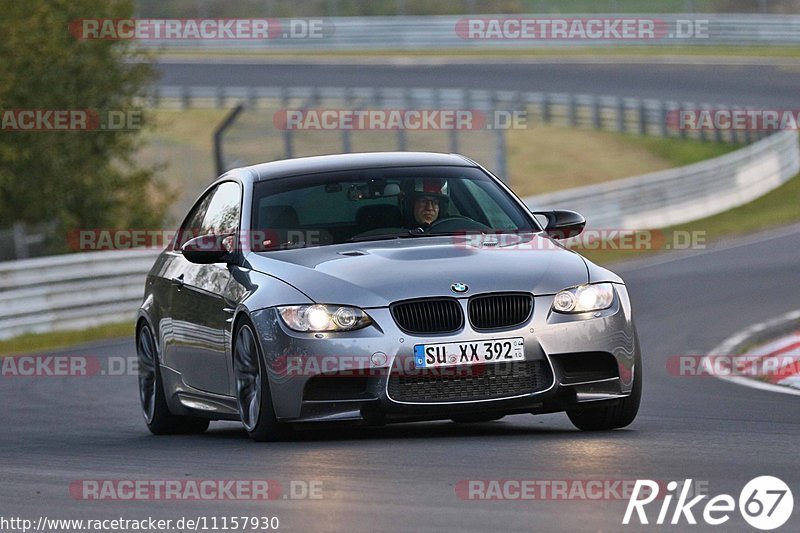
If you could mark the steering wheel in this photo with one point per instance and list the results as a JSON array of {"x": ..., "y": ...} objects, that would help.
[{"x": 456, "y": 223}]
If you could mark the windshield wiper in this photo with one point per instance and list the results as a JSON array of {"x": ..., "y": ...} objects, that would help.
[
  {"x": 413, "y": 232},
  {"x": 379, "y": 237},
  {"x": 418, "y": 232}
]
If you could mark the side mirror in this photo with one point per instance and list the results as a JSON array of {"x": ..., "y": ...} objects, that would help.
[
  {"x": 561, "y": 223},
  {"x": 207, "y": 249}
]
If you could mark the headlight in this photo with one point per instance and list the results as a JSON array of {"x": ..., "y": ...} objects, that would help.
[
  {"x": 320, "y": 317},
  {"x": 584, "y": 298}
]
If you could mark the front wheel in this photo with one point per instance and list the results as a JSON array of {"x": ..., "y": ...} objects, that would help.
[
  {"x": 611, "y": 417},
  {"x": 252, "y": 388},
  {"x": 159, "y": 420}
]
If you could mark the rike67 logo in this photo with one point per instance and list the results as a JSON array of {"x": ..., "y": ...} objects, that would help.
[{"x": 765, "y": 503}]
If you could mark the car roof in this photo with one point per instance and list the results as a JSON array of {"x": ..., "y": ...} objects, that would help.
[{"x": 326, "y": 163}]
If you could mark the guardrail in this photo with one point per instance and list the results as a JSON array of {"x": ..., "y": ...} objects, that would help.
[
  {"x": 440, "y": 32},
  {"x": 674, "y": 196},
  {"x": 71, "y": 291}
]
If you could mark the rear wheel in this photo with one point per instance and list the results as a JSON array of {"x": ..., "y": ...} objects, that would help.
[
  {"x": 156, "y": 413},
  {"x": 613, "y": 416},
  {"x": 253, "y": 395}
]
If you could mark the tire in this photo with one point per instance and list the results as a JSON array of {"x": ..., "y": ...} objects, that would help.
[
  {"x": 476, "y": 418},
  {"x": 253, "y": 396},
  {"x": 157, "y": 416},
  {"x": 613, "y": 416}
]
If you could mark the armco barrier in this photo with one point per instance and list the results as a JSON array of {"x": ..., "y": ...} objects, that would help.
[
  {"x": 678, "y": 195},
  {"x": 439, "y": 33},
  {"x": 81, "y": 290},
  {"x": 71, "y": 291}
]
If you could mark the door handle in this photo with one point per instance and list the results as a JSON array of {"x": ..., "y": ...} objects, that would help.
[{"x": 177, "y": 280}]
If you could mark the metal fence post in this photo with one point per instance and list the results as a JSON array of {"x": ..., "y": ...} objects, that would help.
[
  {"x": 717, "y": 135},
  {"x": 620, "y": 115},
  {"x": 186, "y": 97},
  {"x": 402, "y": 144},
  {"x": 571, "y": 118},
  {"x": 500, "y": 155},
  {"x": 682, "y": 131},
  {"x": 20, "y": 241},
  {"x": 347, "y": 146},
  {"x": 501, "y": 166},
  {"x": 288, "y": 150},
  {"x": 219, "y": 133},
  {"x": 546, "y": 111},
  {"x": 596, "y": 123},
  {"x": 452, "y": 134},
  {"x": 642, "y": 118}
]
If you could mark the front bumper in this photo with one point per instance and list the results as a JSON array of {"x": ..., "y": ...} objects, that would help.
[{"x": 582, "y": 358}]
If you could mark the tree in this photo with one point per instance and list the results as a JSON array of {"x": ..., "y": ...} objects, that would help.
[{"x": 77, "y": 179}]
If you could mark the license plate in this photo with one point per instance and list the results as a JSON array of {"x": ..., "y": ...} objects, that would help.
[{"x": 469, "y": 352}]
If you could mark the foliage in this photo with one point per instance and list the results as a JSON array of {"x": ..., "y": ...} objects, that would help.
[{"x": 81, "y": 179}]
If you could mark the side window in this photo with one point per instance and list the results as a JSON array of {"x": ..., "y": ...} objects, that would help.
[
  {"x": 194, "y": 222},
  {"x": 222, "y": 216},
  {"x": 217, "y": 212}
]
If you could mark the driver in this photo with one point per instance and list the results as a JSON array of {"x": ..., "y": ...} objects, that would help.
[{"x": 425, "y": 203}]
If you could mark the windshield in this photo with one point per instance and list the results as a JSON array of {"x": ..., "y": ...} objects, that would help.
[{"x": 376, "y": 204}]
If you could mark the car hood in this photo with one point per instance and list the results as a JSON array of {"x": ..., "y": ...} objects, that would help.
[{"x": 377, "y": 273}]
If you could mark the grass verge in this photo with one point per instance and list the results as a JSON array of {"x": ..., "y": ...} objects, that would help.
[
  {"x": 40, "y": 342},
  {"x": 549, "y": 158}
]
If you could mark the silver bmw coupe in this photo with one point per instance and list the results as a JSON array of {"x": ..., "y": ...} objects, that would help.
[{"x": 376, "y": 288}]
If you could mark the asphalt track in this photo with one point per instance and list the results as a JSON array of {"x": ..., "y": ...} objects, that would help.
[
  {"x": 58, "y": 430},
  {"x": 402, "y": 478},
  {"x": 750, "y": 83}
]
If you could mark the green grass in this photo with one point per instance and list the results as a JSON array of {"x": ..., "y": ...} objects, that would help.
[
  {"x": 546, "y": 158},
  {"x": 39, "y": 342},
  {"x": 680, "y": 152}
]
